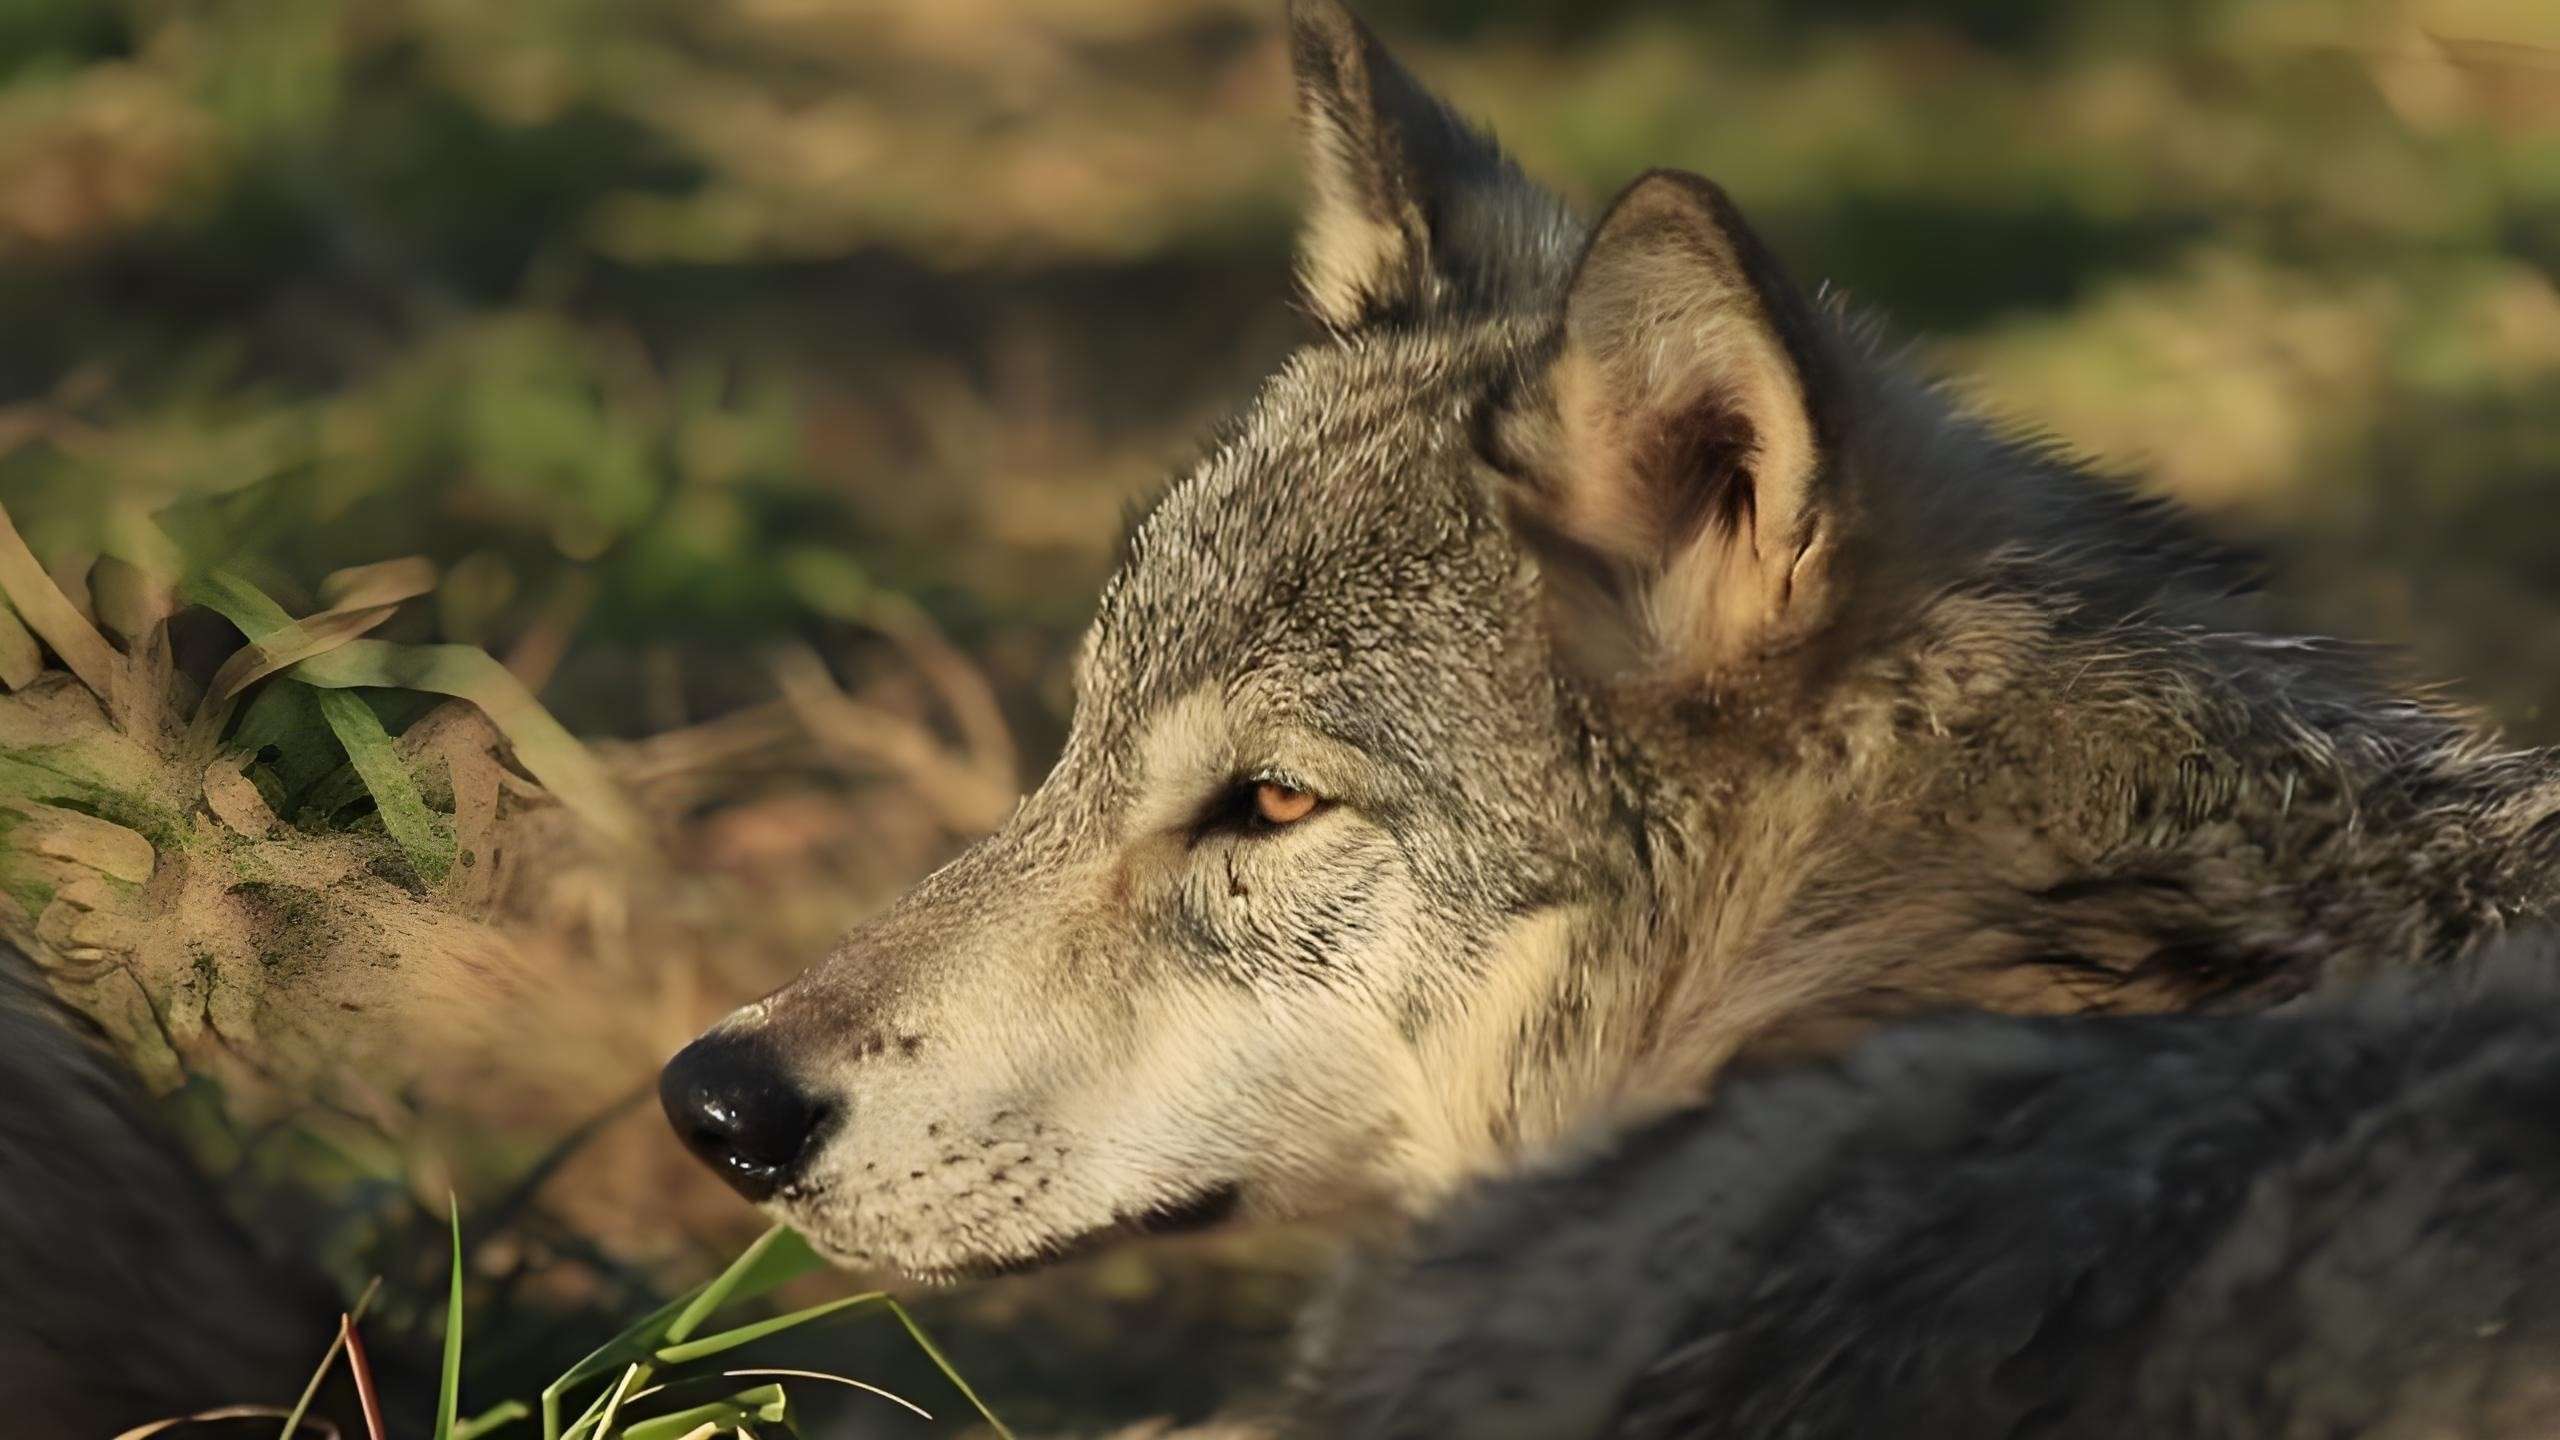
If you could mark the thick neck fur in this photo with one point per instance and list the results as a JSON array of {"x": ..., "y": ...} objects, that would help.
[{"x": 2055, "y": 770}]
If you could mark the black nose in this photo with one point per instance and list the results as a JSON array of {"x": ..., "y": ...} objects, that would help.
[{"x": 733, "y": 1105}]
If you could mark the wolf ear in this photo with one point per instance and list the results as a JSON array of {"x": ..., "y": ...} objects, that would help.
[
  {"x": 1680, "y": 440},
  {"x": 1410, "y": 206}
]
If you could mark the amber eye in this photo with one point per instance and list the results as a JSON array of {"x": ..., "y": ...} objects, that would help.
[{"x": 1277, "y": 804}]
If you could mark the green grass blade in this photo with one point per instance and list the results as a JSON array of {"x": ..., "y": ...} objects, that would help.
[
  {"x": 746, "y": 1334},
  {"x": 778, "y": 1256},
  {"x": 504, "y": 1413},
  {"x": 359, "y": 600},
  {"x": 239, "y": 602},
  {"x": 634, "y": 1342},
  {"x": 943, "y": 1363},
  {"x": 421, "y": 834},
  {"x": 449, "y": 1389},
  {"x": 763, "y": 1405},
  {"x": 632, "y": 1379},
  {"x": 586, "y": 1421},
  {"x": 555, "y": 757}
]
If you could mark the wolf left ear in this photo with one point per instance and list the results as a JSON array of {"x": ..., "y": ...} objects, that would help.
[
  {"x": 1411, "y": 207},
  {"x": 1680, "y": 438}
]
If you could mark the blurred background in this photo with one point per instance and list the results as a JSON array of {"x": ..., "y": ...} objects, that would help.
[{"x": 767, "y": 380}]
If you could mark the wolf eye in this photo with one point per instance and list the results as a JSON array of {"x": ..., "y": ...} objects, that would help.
[
  {"x": 1277, "y": 804},
  {"x": 1255, "y": 807}
]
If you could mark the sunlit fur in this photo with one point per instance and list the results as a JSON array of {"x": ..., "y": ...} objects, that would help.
[{"x": 2038, "y": 754}]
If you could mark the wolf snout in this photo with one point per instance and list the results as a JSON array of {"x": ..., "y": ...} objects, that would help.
[{"x": 736, "y": 1108}]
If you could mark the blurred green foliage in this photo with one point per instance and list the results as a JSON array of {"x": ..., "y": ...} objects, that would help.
[{"x": 692, "y": 320}]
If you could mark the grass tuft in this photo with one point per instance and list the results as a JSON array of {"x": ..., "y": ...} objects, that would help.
[{"x": 635, "y": 1405}]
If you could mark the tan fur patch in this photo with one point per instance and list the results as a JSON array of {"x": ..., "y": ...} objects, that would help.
[
  {"x": 1466, "y": 1084},
  {"x": 1344, "y": 253}
]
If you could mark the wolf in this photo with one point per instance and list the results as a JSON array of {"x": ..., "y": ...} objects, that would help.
[
  {"x": 127, "y": 1294},
  {"x": 1591, "y": 660},
  {"x": 2335, "y": 1219}
]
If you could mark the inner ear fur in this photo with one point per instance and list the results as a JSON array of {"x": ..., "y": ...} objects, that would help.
[{"x": 1681, "y": 433}]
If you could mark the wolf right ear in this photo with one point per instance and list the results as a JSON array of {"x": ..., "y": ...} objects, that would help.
[
  {"x": 1678, "y": 446},
  {"x": 1411, "y": 207}
]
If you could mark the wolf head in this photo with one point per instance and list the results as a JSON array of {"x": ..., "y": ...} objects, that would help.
[{"x": 1582, "y": 660}]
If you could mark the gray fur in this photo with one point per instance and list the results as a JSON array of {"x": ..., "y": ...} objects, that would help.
[
  {"x": 126, "y": 1294},
  {"x": 2021, "y": 742},
  {"x": 2329, "y": 1222}
]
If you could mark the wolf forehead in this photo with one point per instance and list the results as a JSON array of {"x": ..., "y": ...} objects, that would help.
[{"x": 1337, "y": 543}]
